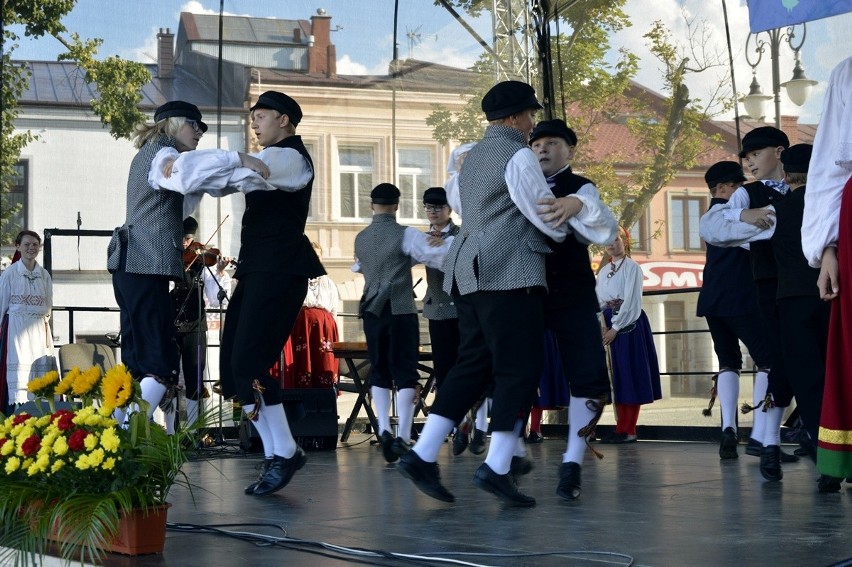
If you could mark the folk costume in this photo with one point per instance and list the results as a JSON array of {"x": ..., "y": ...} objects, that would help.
[
  {"x": 384, "y": 253},
  {"x": 827, "y": 222},
  {"x": 728, "y": 301},
  {"x": 571, "y": 310},
  {"x": 495, "y": 273},
  {"x": 26, "y": 300}
]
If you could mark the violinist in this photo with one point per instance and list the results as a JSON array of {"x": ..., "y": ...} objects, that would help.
[{"x": 190, "y": 319}]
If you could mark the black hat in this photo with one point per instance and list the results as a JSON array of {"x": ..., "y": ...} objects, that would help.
[
  {"x": 723, "y": 172},
  {"x": 555, "y": 128},
  {"x": 190, "y": 226},
  {"x": 508, "y": 98},
  {"x": 282, "y": 103},
  {"x": 180, "y": 108},
  {"x": 796, "y": 158},
  {"x": 385, "y": 194},
  {"x": 764, "y": 137},
  {"x": 435, "y": 196}
]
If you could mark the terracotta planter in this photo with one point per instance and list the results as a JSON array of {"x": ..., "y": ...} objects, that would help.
[{"x": 141, "y": 532}]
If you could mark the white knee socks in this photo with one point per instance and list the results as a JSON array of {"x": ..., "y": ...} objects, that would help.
[
  {"x": 772, "y": 434},
  {"x": 405, "y": 409},
  {"x": 152, "y": 392},
  {"x": 502, "y": 448},
  {"x": 432, "y": 437},
  {"x": 728, "y": 392},
  {"x": 382, "y": 406},
  {"x": 761, "y": 381},
  {"x": 579, "y": 417}
]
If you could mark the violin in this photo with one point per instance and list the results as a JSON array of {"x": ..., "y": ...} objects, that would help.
[{"x": 203, "y": 255}]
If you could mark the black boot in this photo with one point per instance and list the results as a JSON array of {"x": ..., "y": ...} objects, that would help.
[
  {"x": 477, "y": 443},
  {"x": 728, "y": 445},
  {"x": 280, "y": 473},
  {"x": 386, "y": 440},
  {"x": 460, "y": 442},
  {"x": 503, "y": 486},
  {"x": 770, "y": 463},
  {"x": 425, "y": 475},
  {"x": 569, "y": 481}
]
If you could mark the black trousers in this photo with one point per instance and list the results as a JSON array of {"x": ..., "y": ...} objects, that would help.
[
  {"x": 258, "y": 321},
  {"x": 503, "y": 331},
  {"x": 727, "y": 332},
  {"x": 578, "y": 334},
  {"x": 193, "y": 358},
  {"x": 779, "y": 383},
  {"x": 147, "y": 324},
  {"x": 445, "y": 337},
  {"x": 804, "y": 321},
  {"x": 392, "y": 342}
]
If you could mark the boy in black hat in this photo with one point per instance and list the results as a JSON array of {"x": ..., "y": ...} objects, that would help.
[
  {"x": 145, "y": 253},
  {"x": 746, "y": 213},
  {"x": 571, "y": 304},
  {"x": 384, "y": 252},
  {"x": 495, "y": 273},
  {"x": 728, "y": 302}
]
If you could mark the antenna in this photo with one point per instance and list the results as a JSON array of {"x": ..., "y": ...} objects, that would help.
[{"x": 415, "y": 38}]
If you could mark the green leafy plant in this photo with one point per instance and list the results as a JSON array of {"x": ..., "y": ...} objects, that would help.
[{"x": 68, "y": 475}]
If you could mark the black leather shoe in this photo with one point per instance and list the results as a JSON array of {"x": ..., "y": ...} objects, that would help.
[
  {"x": 400, "y": 447},
  {"x": 520, "y": 466},
  {"x": 425, "y": 476},
  {"x": 280, "y": 472},
  {"x": 788, "y": 458},
  {"x": 501, "y": 485},
  {"x": 828, "y": 484},
  {"x": 477, "y": 443},
  {"x": 460, "y": 442},
  {"x": 770, "y": 463},
  {"x": 386, "y": 440},
  {"x": 728, "y": 445},
  {"x": 535, "y": 437},
  {"x": 264, "y": 467},
  {"x": 753, "y": 447},
  {"x": 569, "y": 481}
]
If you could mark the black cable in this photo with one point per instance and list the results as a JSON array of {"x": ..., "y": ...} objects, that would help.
[{"x": 559, "y": 62}]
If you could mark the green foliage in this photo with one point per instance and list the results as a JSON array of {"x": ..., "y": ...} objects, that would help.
[{"x": 118, "y": 81}]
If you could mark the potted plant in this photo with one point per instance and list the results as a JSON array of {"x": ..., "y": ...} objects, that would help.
[{"x": 75, "y": 477}]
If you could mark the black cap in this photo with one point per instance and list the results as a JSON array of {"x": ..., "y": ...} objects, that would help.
[
  {"x": 723, "y": 172},
  {"x": 555, "y": 128},
  {"x": 385, "y": 194},
  {"x": 435, "y": 196},
  {"x": 190, "y": 226},
  {"x": 764, "y": 137},
  {"x": 508, "y": 98},
  {"x": 796, "y": 158},
  {"x": 282, "y": 103},
  {"x": 182, "y": 109}
]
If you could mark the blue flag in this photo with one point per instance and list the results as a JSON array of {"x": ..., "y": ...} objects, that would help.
[{"x": 770, "y": 14}]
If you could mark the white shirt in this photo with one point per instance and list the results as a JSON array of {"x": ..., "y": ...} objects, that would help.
[
  {"x": 416, "y": 245},
  {"x": 218, "y": 173},
  {"x": 624, "y": 286},
  {"x": 527, "y": 187},
  {"x": 595, "y": 223},
  {"x": 826, "y": 178},
  {"x": 322, "y": 293},
  {"x": 721, "y": 225},
  {"x": 212, "y": 281}
]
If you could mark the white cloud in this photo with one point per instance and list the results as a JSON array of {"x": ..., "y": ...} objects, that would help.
[{"x": 346, "y": 66}]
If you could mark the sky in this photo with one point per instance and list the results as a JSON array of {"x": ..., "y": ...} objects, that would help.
[{"x": 364, "y": 36}]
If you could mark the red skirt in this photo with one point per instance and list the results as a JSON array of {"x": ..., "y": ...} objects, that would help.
[
  {"x": 307, "y": 357},
  {"x": 834, "y": 448}
]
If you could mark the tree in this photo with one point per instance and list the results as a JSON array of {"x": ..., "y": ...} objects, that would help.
[{"x": 118, "y": 83}]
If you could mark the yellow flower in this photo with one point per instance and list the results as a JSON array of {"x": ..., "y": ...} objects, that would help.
[
  {"x": 56, "y": 466},
  {"x": 12, "y": 464},
  {"x": 90, "y": 442},
  {"x": 44, "y": 385},
  {"x": 87, "y": 381},
  {"x": 60, "y": 446},
  {"x": 116, "y": 388},
  {"x": 82, "y": 462},
  {"x": 109, "y": 464},
  {"x": 67, "y": 383},
  {"x": 110, "y": 440}
]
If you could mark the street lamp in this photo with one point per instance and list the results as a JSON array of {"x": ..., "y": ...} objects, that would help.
[{"x": 798, "y": 87}]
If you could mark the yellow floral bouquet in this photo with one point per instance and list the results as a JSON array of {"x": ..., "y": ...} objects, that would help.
[{"x": 76, "y": 471}]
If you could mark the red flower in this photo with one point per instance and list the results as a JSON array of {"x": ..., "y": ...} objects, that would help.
[
  {"x": 75, "y": 442},
  {"x": 31, "y": 446},
  {"x": 21, "y": 418},
  {"x": 64, "y": 419}
]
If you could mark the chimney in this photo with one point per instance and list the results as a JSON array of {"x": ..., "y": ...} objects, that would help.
[
  {"x": 165, "y": 54},
  {"x": 790, "y": 126},
  {"x": 318, "y": 45},
  {"x": 331, "y": 70},
  {"x": 297, "y": 35}
]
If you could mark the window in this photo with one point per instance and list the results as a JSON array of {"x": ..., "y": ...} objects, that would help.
[
  {"x": 356, "y": 181},
  {"x": 13, "y": 204},
  {"x": 414, "y": 176},
  {"x": 640, "y": 234},
  {"x": 684, "y": 213}
]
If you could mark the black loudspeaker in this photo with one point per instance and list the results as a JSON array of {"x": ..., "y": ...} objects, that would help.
[{"x": 312, "y": 415}]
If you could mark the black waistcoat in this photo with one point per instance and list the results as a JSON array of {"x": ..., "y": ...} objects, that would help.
[
  {"x": 795, "y": 277},
  {"x": 763, "y": 266}
]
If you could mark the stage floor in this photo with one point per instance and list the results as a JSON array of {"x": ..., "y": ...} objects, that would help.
[{"x": 649, "y": 503}]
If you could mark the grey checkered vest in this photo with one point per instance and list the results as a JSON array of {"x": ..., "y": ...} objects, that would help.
[
  {"x": 438, "y": 304},
  {"x": 152, "y": 232},
  {"x": 498, "y": 248},
  {"x": 386, "y": 268}
]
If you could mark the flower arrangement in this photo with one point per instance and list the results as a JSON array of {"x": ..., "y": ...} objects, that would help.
[{"x": 76, "y": 471}]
